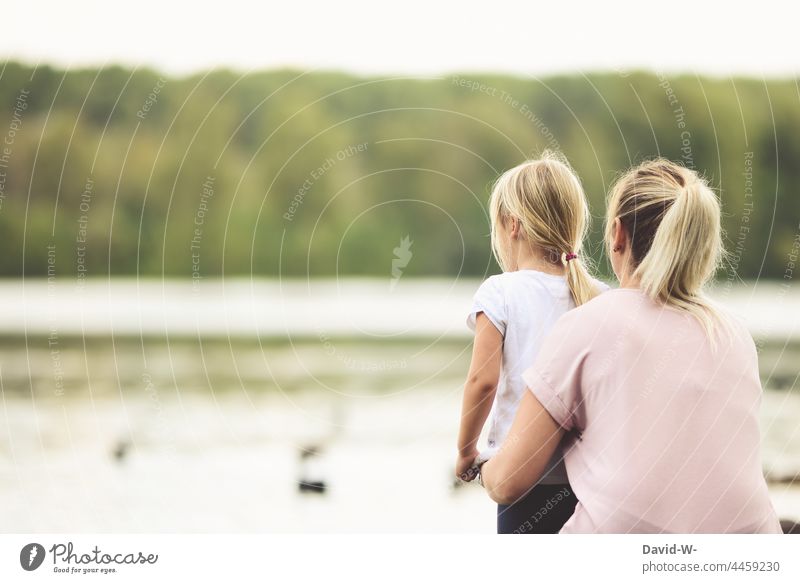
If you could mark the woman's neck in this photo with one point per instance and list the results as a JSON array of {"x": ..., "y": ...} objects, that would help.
[
  {"x": 629, "y": 280},
  {"x": 629, "y": 284}
]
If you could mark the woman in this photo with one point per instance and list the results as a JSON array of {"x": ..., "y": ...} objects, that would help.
[{"x": 656, "y": 391}]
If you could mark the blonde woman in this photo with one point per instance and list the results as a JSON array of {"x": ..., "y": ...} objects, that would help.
[
  {"x": 539, "y": 218},
  {"x": 656, "y": 389}
]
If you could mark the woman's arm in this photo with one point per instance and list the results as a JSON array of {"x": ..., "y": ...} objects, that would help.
[
  {"x": 524, "y": 455},
  {"x": 479, "y": 390}
]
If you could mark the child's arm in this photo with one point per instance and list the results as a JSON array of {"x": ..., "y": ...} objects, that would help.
[{"x": 479, "y": 390}]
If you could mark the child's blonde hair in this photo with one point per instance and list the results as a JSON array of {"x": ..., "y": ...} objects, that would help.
[
  {"x": 547, "y": 199},
  {"x": 673, "y": 220}
]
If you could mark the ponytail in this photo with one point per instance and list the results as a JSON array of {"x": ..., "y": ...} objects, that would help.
[
  {"x": 580, "y": 283},
  {"x": 673, "y": 220}
]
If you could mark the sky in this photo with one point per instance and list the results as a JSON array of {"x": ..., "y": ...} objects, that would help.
[{"x": 411, "y": 37}]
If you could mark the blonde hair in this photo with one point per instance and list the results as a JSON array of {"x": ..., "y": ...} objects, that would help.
[
  {"x": 673, "y": 220},
  {"x": 547, "y": 199}
]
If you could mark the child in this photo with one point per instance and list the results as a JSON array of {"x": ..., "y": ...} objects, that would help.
[{"x": 539, "y": 219}]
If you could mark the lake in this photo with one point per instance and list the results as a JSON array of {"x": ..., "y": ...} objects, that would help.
[{"x": 177, "y": 407}]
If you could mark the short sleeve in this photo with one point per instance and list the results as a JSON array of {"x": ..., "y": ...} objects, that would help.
[
  {"x": 556, "y": 375},
  {"x": 490, "y": 300}
]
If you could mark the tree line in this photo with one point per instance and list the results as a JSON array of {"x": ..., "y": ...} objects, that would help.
[{"x": 121, "y": 171}]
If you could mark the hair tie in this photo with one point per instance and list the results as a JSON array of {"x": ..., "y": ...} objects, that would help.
[{"x": 570, "y": 256}]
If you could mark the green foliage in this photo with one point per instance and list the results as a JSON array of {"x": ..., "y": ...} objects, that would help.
[{"x": 294, "y": 174}]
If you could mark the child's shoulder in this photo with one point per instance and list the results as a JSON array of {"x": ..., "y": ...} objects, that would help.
[
  {"x": 492, "y": 286},
  {"x": 508, "y": 280},
  {"x": 528, "y": 279},
  {"x": 526, "y": 286},
  {"x": 499, "y": 279}
]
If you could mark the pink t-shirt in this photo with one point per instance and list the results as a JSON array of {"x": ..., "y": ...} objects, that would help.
[{"x": 663, "y": 430}]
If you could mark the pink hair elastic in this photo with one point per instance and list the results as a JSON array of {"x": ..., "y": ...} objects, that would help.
[{"x": 571, "y": 256}]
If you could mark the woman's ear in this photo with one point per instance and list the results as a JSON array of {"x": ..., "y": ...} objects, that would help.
[
  {"x": 514, "y": 227},
  {"x": 619, "y": 238}
]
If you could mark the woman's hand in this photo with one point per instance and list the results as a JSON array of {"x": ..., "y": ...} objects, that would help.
[
  {"x": 464, "y": 462},
  {"x": 523, "y": 457}
]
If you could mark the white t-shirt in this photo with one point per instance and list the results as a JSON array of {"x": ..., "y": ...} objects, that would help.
[{"x": 523, "y": 305}]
